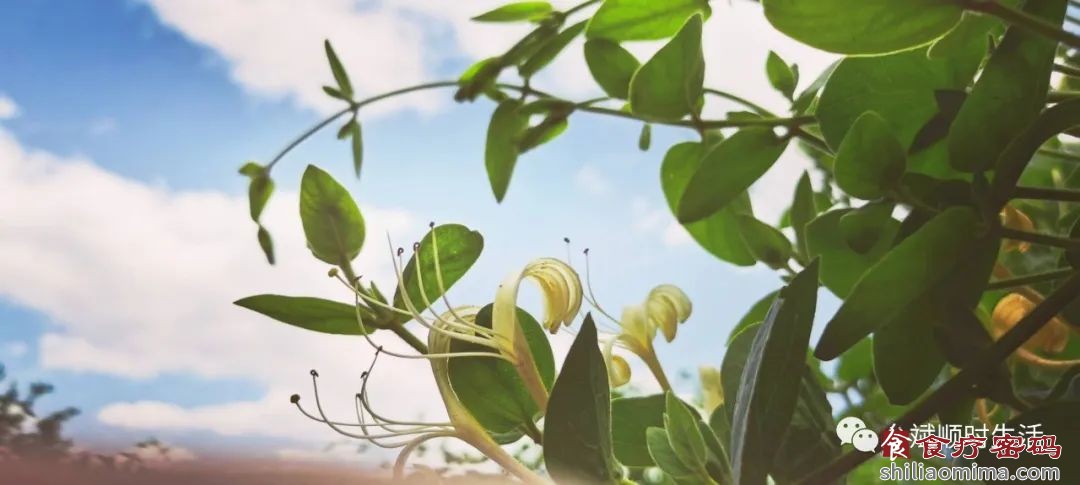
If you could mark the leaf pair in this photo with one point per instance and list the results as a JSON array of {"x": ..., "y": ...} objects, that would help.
[{"x": 260, "y": 187}]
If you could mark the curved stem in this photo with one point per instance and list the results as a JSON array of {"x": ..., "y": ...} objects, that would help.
[
  {"x": 580, "y": 7},
  {"x": 740, "y": 100},
  {"x": 353, "y": 107},
  {"x": 657, "y": 370}
]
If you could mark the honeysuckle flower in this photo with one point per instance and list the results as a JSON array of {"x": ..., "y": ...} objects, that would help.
[
  {"x": 1051, "y": 338},
  {"x": 617, "y": 367},
  {"x": 712, "y": 389},
  {"x": 1013, "y": 218},
  {"x": 667, "y": 307},
  {"x": 561, "y": 289}
]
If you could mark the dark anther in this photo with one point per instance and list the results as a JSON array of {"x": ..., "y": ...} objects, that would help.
[
  {"x": 431, "y": 224},
  {"x": 295, "y": 398},
  {"x": 566, "y": 240},
  {"x": 416, "y": 246},
  {"x": 363, "y": 375},
  {"x": 400, "y": 251},
  {"x": 314, "y": 373},
  {"x": 586, "y": 250}
]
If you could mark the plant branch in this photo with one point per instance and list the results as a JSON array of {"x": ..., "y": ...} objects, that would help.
[
  {"x": 396, "y": 327},
  {"x": 1043, "y": 193},
  {"x": 961, "y": 383},
  {"x": 1023, "y": 20},
  {"x": 1037, "y": 238},
  {"x": 353, "y": 107},
  {"x": 1029, "y": 279}
]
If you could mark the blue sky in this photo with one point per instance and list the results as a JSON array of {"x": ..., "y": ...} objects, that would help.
[{"x": 126, "y": 236}]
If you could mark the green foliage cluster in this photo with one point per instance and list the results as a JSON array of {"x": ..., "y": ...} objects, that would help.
[{"x": 941, "y": 198}]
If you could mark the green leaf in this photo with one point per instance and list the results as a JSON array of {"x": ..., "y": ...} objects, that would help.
[
  {"x": 842, "y": 266},
  {"x": 645, "y": 139},
  {"x": 669, "y": 86},
  {"x": 550, "y": 50},
  {"x": 756, "y": 314},
  {"x": 899, "y": 278},
  {"x": 458, "y": 248},
  {"x": 313, "y": 314},
  {"x": 719, "y": 233},
  {"x": 862, "y": 228},
  {"x": 864, "y": 27},
  {"x": 620, "y": 20},
  {"x": 665, "y": 457},
  {"x": 336, "y": 94},
  {"x": 611, "y": 66},
  {"x": 972, "y": 32},
  {"x": 686, "y": 439},
  {"x": 857, "y": 362},
  {"x": 491, "y": 389},
  {"x": 516, "y": 12},
  {"x": 577, "y": 431},
  {"x": 803, "y": 210},
  {"x": 344, "y": 86},
  {"x": 766, "y": 243},
  {"x": 630, "y": 417},
  {"x": 1010, "y": 93},
  {"x": 870, "y": 159},
  {"x": 332, "y": 222},
  {"x": 501, "y": 152},
  {"x": 898, "y": 87},
  {"x": 266, "y": 244},
  {"x": 902, "y": 378},
  {"x": 780, "y": 75},
  {"x": 551, "y": 127},
  {"x": 766, "y": 399},
  {"x": 357, "y": 137},
  {"x": 478, "y": 78},
  {"x": 728, "y": 170}
]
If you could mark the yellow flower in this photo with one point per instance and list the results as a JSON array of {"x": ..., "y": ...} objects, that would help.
[
  {"x": 1053, "y": 336},
  {"x": 712, "y": 389},
  {"x": 1013, "y": 218},
  {"x": 618, "y": 371},
  {"x": 667, "y": 307}
]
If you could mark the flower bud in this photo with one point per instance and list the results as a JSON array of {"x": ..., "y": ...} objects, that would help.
[
  {"x": 667, "y": 306},
  {"x": 1012, "y": 218}
]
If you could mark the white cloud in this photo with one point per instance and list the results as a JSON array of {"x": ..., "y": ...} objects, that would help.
[
  {"x": 592, "y": 181},
  {"x": 138, "y": 281},
  {"x": 274, "y": 47},
  {"x": 8, "y": 108}
]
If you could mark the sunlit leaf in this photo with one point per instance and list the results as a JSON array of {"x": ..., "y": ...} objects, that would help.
[
  {"x": 870, "y": 159},
  {"x": 516, "y": 12},
  {"x": 780, "y": 75},
  {"x": 669, "y": 85},
  {"x": 611, "y": 66},
  {"x": 332, "y": 222},
  {"x": 458, "y": 248},
  {"x": 620, "y": 20},
  {"x": 314, "y": 314},
  {"x": 727, "y": 171},
  {"x": 863, "y": 27}
]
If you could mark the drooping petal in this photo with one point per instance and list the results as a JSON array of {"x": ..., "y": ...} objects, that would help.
[
  {"x": 637, "y": 333},
  {"x": 560, "y": 286},
  {"x": 667, "y": 306}
]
